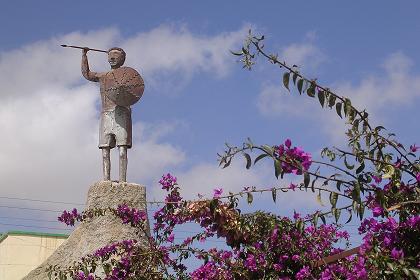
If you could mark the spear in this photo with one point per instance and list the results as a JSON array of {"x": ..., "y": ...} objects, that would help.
[{"x": 83, "y": 48}]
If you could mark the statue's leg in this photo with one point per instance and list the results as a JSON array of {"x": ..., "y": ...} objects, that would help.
[
  {"x": 106, "y": 163},
  {"x": 123, "y": 163}
]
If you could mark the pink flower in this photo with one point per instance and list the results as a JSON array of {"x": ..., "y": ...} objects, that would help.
[
  {"x": 397, "y": 254},
  {"x": 251, "y": 263},
  {"x": 277, "y": 267},
  {"x": 171, "y": 238},
  {"x": 303, "y": 273},
  {"x": 217, "y": 193},
  {"x": 377, "y": 179},
  {"x": 288, "y": 143},
  {"x": 377, "y": 211},
  {"x": 293, "y": 160},
  {"x": 292, "y": 186},
  {"x": 414, "y": 148},
  {"x": 167, "y": 181}
]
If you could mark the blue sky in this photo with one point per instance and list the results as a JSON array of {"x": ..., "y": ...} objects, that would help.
[{"x": 197, "y": 96}]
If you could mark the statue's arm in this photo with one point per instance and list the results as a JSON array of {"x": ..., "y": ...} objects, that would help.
[{"x": 89, "y": 75}]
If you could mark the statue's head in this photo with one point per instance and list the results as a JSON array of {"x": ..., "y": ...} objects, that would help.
[{"x": 116, "y": 57}]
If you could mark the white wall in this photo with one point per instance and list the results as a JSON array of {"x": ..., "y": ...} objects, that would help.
[{"x": 20, "y": 253}]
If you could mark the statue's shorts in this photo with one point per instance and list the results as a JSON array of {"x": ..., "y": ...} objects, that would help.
[{"x": 115, "y": 128}]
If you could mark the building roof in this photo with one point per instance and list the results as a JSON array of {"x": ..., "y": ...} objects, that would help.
[{"x": 31, "y": 233}]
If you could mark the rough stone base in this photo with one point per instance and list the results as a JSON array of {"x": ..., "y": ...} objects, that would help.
[{"x": 101, "y": 231}]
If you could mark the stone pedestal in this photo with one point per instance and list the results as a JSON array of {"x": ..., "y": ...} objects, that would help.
[{"x": 100, "y": 231}]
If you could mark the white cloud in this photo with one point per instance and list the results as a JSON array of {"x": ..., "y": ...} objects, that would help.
[
  {"x": 45, "y": 64},
  {"x": 169, "y": 56},
  {"x": 169, "y": 48},
  {"x": 303, "y": 55},
  {"x": 49, "y": 114},
  {"x": 165, "y": 52},
  {"x": 49, "y": 146},
  {"x": 397, "y": 86},
  {"x": 275, "y": 101},
  {"x": 203, "y": 178}
]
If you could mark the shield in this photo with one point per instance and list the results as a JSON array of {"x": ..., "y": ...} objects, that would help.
[{"x": 124, "y": 86}]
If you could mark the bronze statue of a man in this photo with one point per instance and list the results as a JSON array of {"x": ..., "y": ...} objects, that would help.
[{"x": 120, "y": 88}]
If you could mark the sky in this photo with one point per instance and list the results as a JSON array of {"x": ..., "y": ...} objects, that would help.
[{"x": 197, "y": 96}]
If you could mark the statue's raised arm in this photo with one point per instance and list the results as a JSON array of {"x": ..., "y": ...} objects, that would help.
[{"x": 89, "y": 75}]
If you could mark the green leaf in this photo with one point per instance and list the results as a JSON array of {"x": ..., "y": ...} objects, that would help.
[
  {"x": 338, "y": 108},
  {"x": 313, "y": 185},
  {"x": 236, "y": 53},
  {"x": 331, "y": 100},
  {"x": 107, "y": 268},
  {"x": 286, "y": 78},
  {"x": 337, "y": 213},
  {"x": 406, "y": 271},
  {"x": 333, "y": 199},
  {"x": 300, "y": 85},
  {"x": 360, "y": 168},
  {"x": 338, "y": 185},
  {"x": 227, "y": 163},
  {"x": 315, "y": 219},
  {"x": 388, "y": 170},
  {"x": 258, "y": 158},
  {"x": 319, "y": 200},
  {"x": 300, "y": 226},
  {"x": 85, "y": 270},
  {"x": 277, "y": 168},
  {"x": 368, "y": 138},
  {"x": 306, "y": 179},
  {"x": 390, "y": 266},
  {"x": 415, "y": 272},
  {"x": 350, "y": 217},
  {"x": 349, "y": 166},
  {"x": 295, "y": 75},
  {"x": 347, "y": 106},
  {"x": 311, "y": 90},
  {"x": 249, "y": 198},
  {"x": 248, "y": 160},
  {"x": 361, "y": 211},
  {"x": 213, "y": 205},
  {"x": 356, "y": 192},
  {"x": 274, "y": 194},
  {"x": 321, "y": 97},
  {"x": 269, "y": 150},
  {"x": 356, "y": 124},
  {"x": 323, "y": 219},
  {"x": 351, "y": 114}
]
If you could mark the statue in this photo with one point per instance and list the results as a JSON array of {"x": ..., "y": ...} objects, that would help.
[{"x": 120, "y": 88}]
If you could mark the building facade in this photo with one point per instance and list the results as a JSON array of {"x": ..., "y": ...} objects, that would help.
[{"x": 20, "y": 252}]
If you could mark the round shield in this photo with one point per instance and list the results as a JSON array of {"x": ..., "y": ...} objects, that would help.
[{"x": 124, "y": 86}]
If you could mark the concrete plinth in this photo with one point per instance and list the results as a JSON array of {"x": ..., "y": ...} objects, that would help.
[{"x": 100, "y": 231}]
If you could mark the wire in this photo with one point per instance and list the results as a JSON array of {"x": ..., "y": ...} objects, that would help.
[
  {"x": 27, "y": 226},
  {"x": 27, "y": 219},
  {"x": 33, "y": 209},
  {"x": 39, "y": 200},
  {"x": 68, "y": 203}
]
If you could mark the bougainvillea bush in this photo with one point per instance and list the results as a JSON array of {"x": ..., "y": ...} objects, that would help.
[{"x": 374, "y": 179}]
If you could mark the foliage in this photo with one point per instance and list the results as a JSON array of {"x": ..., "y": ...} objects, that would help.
[{"x": 374, "y": 174}]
